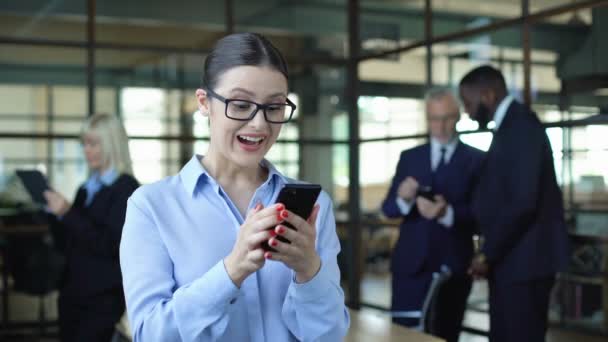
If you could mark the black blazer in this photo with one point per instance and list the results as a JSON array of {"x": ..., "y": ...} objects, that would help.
[
  {"x": 426, "y": 244},
  {"x": 90, "y": 238},
  {"x": 518, "y": 203}
]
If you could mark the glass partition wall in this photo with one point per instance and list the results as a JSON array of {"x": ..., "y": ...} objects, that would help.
[{"x": 358, "y": 77}]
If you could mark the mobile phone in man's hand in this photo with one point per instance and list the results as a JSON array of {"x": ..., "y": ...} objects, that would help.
[{"x": 426, "y": 192}]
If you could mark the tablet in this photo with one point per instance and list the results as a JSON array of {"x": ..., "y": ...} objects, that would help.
[{"x": 35, "y": 183}]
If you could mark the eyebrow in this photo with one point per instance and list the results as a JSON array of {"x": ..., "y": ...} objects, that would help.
[
  {"x": 241, "y": 90},
  {"x": 247, "y": 92}
]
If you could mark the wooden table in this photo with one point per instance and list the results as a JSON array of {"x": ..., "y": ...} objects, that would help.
[{"x": 367, "y": 326}]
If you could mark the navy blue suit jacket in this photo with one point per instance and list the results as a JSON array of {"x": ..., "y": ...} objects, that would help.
[
  {"x": 90, "y": 237},
  {"x": 425, "y": 243},
  {"x": 518, "y": 203}
]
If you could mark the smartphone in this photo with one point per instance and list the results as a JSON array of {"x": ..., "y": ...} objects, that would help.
[
  {"x": 299, "y": 199},
  {"x": 426, "y": 192}
]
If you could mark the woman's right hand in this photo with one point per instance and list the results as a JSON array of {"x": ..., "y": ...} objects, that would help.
[
  {"x": 247, "y": 255},
  {"x": 56, "y": 203}
]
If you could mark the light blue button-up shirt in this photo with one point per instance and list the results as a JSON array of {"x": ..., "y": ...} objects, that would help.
[
  {"x": 96, "y": 181},
  {"x": 176, "y": 234}
]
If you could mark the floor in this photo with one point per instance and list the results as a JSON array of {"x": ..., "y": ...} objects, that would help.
[{"x": 375, "y": 289}]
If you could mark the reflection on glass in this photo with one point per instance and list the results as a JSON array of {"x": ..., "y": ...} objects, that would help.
[
  {"x": 23, "y": 108},
  {"x": 68, "y": 175},
  {"x": 406, "y": 67},
  {"x": 147, "y": 112},
  {"x": 590, "y": 152},
  {"x": 383, "y": 116},
  {"x": 340, "y": 170},
  {"x": 45, "y": 20},
  {"x": 481, "y": 140}
]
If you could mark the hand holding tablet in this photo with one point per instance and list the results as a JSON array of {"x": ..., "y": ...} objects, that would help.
[{"x": 35, "y": 183}]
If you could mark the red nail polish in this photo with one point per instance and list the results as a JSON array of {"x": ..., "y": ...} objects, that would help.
[
  {"x": 268, "y": 255},
  {"x": 274, "y": 243},
  {"x": 280, "y": 207},
  {"x": 273, "y": 233},
  {"x": 279, "y": 217},
  {"x": 284, "y": 214},
  {"x": 281, "y": 229}
]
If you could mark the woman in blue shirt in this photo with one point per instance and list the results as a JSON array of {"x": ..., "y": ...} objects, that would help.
[
  {"x": 193, "y": 268},
  {"x": 88, "y": 231}
]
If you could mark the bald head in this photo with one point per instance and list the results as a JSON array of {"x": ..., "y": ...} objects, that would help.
[{"x": 442, "y": 113}]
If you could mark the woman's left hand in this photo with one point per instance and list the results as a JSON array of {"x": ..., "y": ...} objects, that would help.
[
  {"x": 56, "y": 203},
  {"x": 300, "y": 255}
]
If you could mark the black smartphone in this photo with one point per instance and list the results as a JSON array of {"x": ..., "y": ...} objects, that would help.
[
  {"x": 426, "y": 192},
  {"x": 299, "y": 199},
  {"x": 35, "y": 183}
]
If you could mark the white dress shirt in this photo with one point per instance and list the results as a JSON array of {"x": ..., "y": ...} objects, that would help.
[{"x": 501, "y": 111}]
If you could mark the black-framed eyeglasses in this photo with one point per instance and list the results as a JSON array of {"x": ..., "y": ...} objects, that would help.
[{"x": 244, "y": 110}]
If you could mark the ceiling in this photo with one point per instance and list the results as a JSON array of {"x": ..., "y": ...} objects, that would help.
[{"x": 299, "y": 28}]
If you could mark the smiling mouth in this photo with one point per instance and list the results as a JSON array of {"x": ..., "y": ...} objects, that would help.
[{"x": 247, "y": 140}]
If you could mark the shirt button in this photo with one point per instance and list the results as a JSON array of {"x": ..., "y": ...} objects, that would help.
[{"x": 233, "y": 300}]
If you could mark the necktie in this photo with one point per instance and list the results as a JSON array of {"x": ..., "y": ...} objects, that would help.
[{"x": 441, "y": 163}]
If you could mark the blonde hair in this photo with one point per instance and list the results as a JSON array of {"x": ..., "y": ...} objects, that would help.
[{"x": 113, "y": 139}]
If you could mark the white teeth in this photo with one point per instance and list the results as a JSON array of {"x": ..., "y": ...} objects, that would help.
[{"x": 252, "y": 139}]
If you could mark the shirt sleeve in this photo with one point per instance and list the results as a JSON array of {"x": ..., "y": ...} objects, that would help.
[
  {"x": 404, "y": 206},
  {"x": 158, "y": 311},
  {"x": 390, "y": 208},
  {"x": 447, "y": 220},
  {"x": 315, "y": 310}
]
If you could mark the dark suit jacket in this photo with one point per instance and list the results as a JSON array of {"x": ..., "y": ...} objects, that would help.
[
  {"x": 518, "y": 203},
  {"x": 424, "y": 242},
  {"x": 90, "y": 238}
]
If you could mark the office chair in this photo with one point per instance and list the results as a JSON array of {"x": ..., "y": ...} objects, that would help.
[{"x": 427, "y": 316}]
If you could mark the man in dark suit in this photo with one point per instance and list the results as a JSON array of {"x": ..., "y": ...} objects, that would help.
[
  {"x": 518, "y": 206},
  {"x": 438, "y": 230}
]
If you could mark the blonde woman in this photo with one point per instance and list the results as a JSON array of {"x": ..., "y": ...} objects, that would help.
[{"x": 91, "y": 298}]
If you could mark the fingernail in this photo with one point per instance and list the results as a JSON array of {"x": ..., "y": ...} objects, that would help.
[
  {"x": 279, "y": 217},
  {"x": 268, "y": 255},
  {"x": 274, "y": 243},
  {"x": 284, "y": 214},
  {"x": 280, "y": 207},
  {"x": 281, "y": 229},
  {"x": 273, "y": 233},
  {"x": 258, "y": 206}
]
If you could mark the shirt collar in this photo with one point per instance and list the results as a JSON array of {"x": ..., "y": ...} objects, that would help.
[
  {"x": 109, "y": 177},
  {"x": 106, "y": 178},
  {"x": 450, "y": 146},
  {"x": 193, "y": 172},
  {"x": 273, "y": 172},
  {"x": 501, "y": 111}
]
